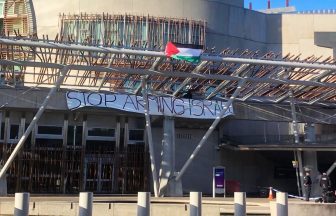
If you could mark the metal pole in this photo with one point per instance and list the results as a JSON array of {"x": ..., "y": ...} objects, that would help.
[
  {"x": 143, "y": 204},
  {"x": 39, "y": 113},
  {"x": 239, "y": 204},
  {"x": 21, "y": 205},
  {"x": 170, "y": 73},
  {"x": 150, "y": 138},
  {"x": 187, "y": 81},
  {"x": 281, "y": 204},
  {"x": 333, "y": 166},
  {"x": 212, "y": 128},
  {"x": 295, "y": 125},
  {"x": 85, "y": 204},
  {"x": 195, "y": 203},
  {"x": 78, "y": 47},
  {"x": 297, "y": 172},
  {"x": 297, "y": 140}
]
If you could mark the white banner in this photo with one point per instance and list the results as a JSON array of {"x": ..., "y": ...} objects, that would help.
[{"x": 168, "y": 106}]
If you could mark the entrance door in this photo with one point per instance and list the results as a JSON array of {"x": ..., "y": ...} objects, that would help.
[
  {"x": 106, "y": 176},
  {"x": 99, "y": 175},
  {"x": 91, "y": 174}
]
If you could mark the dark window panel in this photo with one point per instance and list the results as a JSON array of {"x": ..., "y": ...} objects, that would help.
[
  {"x": 14, "y": 132},
  {"x": 2, "y": 133},
  {"x": 104, "y": 132},
  {"x": 49, "y": 130},
  {"x": 136, "y": 135}
]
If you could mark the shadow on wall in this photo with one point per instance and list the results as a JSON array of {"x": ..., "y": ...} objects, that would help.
[{"x": 326, "y": 39}]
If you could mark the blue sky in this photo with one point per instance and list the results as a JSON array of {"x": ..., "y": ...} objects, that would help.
[{"x": 299, "y": 4}]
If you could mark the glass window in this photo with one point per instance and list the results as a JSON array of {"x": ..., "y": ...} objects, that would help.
[
  {"x": 53, "y": 130},
  {"x": 14, "y": 132},
  {"x": 101, "y": 147},
  {"x": 2, "y": 134},
  {"x": 75, "y": 135},
  {"x": 102, "y": 132},
  {"x": 1, "y": 9},
  {"x": 136, "y": 135},
  {"x": 138, "y": 31}
]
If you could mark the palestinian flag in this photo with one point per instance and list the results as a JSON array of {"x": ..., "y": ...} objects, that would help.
[{"x": 186, "y": 52}]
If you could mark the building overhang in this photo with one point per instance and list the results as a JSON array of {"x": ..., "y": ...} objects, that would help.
[{"x": 281, "y": 147}]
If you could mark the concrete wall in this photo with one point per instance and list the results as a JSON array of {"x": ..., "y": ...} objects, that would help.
[
  {"x": 201, "y": 168},
  {"x": 255, "y": 170},
  {"x": 229, "y": 25},
  {"x": 202, "y": 9},
  {"x": 255, "y": 128},
  {"x": 302, "y": 209},
  {"x": 298, "y": 33}
]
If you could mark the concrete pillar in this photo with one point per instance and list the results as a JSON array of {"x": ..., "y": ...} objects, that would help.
[
  {"x": 21, "y": 205},
  {"x": 150, "y": 136},
  {"x": 3, "y": 185},
  {"x": 116, "y": 160},
  {"x": 195, "y": 203},
  {"x": 62, "y": 180},
  {"x": 239, "y": 204},
  {"x": 22, "y": 129},
  {"x": 167, "y": 169},
  {"x": 126, "y": 137},
  {"x": 3, "y": 182},
  {"x": 281, "y": 204},
  {"x": 85, "y": 203},
  {"x": 83, "y": 165},
  {"x": 143, "y": 204}
]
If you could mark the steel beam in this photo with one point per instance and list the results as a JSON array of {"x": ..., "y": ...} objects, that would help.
[
  {"x": 222, "y": 85},
  {"x": 168, "y": 73},
  {"x": 32, "y": 124},
  {"x": 204, "y": 57},
  {"x": 297, "y": 140},
  {"x": 187, "y": 81},
  {"x": 295, "y": 125},
  {"x": 314, "y": 79},
  {"x": 150, "y": 137},
  {"x": 212, "y": 128},
  {"x": 154, "y": 67},
  {"x": 333, "y": 166},
  {"x": 323, "y": 96},
  {"x": 255, "y": 90},
  {"x": 105, "y": 73}
]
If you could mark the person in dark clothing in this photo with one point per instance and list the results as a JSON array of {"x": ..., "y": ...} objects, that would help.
[
  {"x": 307, "y": 183},
  {"x": 325, "y": 184}
]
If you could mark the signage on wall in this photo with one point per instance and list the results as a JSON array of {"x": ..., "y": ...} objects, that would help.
[
  {"x": 218, "y": 181},
  {"x": 168, "y": 106}
]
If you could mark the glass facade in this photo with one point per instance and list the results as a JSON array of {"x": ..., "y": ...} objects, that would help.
[
  {"x": 2, "y": 6},
  {"x": 131, "y": 31},
  {"x": 15, "y": 17},
  {"x": 68, "y": 158}
]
